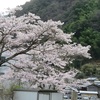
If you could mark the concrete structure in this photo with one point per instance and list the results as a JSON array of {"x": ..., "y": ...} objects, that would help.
[
  {"x": 1, "y": 94},
  {"x": 74, "y": 93},
  {"x": 89, "y": 95},
  {"x": 94, "y": 87},
  {"x": 37, "y": 95}
]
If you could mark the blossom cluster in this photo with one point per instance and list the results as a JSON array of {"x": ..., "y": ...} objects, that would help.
[{"x": 36, "y": 51}]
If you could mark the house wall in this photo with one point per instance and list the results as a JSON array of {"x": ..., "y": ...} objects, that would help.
[
  {"x": 94, "y": 88},
  {"x": 31, "y": 95},
  {"x": 89, "y": 96},
  {"x": 25, "y": 95}
]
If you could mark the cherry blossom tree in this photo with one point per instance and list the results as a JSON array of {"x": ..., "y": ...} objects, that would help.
[{"x": 36, "y": 51}]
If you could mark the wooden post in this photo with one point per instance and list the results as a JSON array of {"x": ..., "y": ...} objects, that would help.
[{"x": 74, "y": 95}]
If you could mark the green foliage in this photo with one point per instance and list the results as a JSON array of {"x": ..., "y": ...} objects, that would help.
[
  {"x": 49, "y": 9},
  {"x": 86, "y": 25},
  {"x": 77, "y": 63},
  {"x": 80, "y": 75},
  {"x": 16, "y": 87},
  {"x": 80, "y": 16},
  {"x": 82, "y": 12},
  {"x": 91, "y": 37},
  {"x": 11, "y": 88},
  {"x": 90, "y": 70}
]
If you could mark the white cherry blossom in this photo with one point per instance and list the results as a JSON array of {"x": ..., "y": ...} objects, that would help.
[{"x": 37, "y": 52}]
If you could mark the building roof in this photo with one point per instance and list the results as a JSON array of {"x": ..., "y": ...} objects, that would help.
[
  {"x": 92, "y": 78},
  {"x": 35, "y": 90},
  {"x": 74, "y": 89},
  {"x": 96, "y": 85},
  {"x": 88, "y": 92},
  {"x": 47, "y": 90},
  {"x": 26, "y": 90},
  {"x": 97, "y": 82}
]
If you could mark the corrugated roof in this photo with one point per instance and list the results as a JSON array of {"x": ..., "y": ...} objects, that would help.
[{"x": 88, "y": 92}]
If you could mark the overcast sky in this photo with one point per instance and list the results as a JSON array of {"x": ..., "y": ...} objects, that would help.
[{"x": 4, "y": 4}]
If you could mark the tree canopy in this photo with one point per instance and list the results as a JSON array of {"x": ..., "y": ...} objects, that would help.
[
  {"x": 36, "y": 51},
  {"x": 79, "y": 16},
  {"x": 49, "y": 9},
  {"x": 85, "y": 24}
]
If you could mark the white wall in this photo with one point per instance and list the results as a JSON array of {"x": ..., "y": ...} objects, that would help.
[{"x": 25, "y": 95}]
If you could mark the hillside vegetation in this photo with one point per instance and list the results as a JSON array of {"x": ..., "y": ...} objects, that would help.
[
  {"x": 80, "y": 16},
  {"x": 49, "y": 9}
]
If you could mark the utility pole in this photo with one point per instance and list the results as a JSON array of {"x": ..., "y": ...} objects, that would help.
[{"x": 74, "y": 93}]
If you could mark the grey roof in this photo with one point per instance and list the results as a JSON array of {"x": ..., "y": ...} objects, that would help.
[
  {"x": 88, "y": 92},
  {"x": 97, "y": 85},
  {"x": 92, "y": 78},
  {"x": 28, "y": 90},
  {"x": 35, "y": 90}
]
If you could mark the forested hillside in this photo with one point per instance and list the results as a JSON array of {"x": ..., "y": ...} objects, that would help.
[
  {"x": 50, "y": 9},
  {"x": 86, "y": 25},
  {"x": 80, "y": 16}
]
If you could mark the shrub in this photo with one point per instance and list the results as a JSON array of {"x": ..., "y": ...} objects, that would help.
[
  {"x": 80, "y": 75},
  {"x": 89, "y": 69}
]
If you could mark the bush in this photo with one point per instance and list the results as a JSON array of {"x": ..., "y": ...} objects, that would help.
[
  {"x": 89, "y": 69},
  {"x": 80, "y": 75}
]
